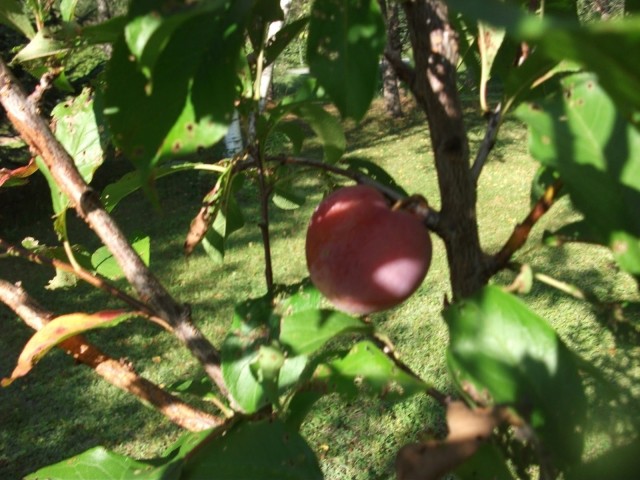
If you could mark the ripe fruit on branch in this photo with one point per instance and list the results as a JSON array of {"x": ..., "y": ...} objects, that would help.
[{"x": 362, "y": 255}]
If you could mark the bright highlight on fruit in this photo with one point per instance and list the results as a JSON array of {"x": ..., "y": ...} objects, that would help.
[{"x": 363, "y": 256}]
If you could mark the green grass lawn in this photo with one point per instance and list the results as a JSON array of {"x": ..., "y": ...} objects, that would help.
[{"x": 61, "y": 409}]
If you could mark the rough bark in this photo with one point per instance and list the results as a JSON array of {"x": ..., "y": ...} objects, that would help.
[
  {"x": 390, "y": 90},
  {"x": 435, "y": 50},
  {"x": 118, "y": 373}
]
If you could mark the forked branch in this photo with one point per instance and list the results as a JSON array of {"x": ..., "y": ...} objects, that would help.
[
  {"x": 115, "y": 372},
  {"x": 33, "y": 128},
  {"x": 521, "y": 232}
]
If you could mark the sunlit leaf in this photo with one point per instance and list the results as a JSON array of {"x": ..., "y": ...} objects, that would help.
[
  {"x": 367, "y": 370},
  {"x": 582, "y": 135},
  {"x": 499, "y": 348},
  {"x": 12, "y": 14},
  {"x": 189, "y": 97},
  {"x": 307, "y": 331},
  {"x": 41, "y": 45},
  {"x": 59, "y": 329},
  {"x": 489, "y": 42},
  {"x": 346, "y": 39}
]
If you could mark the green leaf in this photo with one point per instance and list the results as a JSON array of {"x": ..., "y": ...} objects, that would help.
[
  {"x": 328, "y": 129},
  {"x": 487, "y": 462},
  {"x": 294, "y": 132},
  {"x": 132, "y": 181},
  {"x": 367, "y": 370},
  {"x": 101, "y": 463},
  {"x": 498, "y": 346},
  {"x": 105, "y": 32},
  {"x": 13, "y": 15},
  {"x": 77, "y": 129},
  {"x": 346, "y": 39},
  {"x": 580, "y": 231},
  {"x": 376, "y": 172},
  {"x": 302, "y": 296},
  {"x": 190, "y": 98},
  {"x": 601, "y": 47},
  {"x": 228, "y": 219},
  {"x": 104, "y": 263},
  {"x": 307, "y": 331},
  {"x": 286, "y": 197},
  {"x": 582, "y": 135},
  {"x": 275, "y": 452},
  {"x": 68, "y": 9},
  {"x": 283, "y": 38},
  {"x": 250, "y": 330},
  {"x": 41, "y": 45}
]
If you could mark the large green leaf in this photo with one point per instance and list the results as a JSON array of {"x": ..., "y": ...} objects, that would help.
[
  {"x": 499, "y": 347},
  {"x": 346, "y": 38},
  {"x": 326, "y": 127},
  {"x": 101, "y": 463},
  {"x": 307, "y": 331},
  {"x": 487, "y": 462},
  {"x": 250, "y": 329},
  {"x": 602, "y": 47},
  {"x": 366, "y": 369},
  {"x": 79, "y": 132},
  {"x": 265, "y": 449},
  {"x": 582, "y": 135},
  {"x": 177, "y": 95}
]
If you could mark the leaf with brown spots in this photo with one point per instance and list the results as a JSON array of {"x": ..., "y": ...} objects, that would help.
[{"x": 59, "y": 329}]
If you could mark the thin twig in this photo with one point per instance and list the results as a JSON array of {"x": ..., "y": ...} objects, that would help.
[
  {"x": 84, "y": 275},
  {"x": 521, "y": 232},
  {"x": 119, "y": 374},
  {"x": 46, "y": 82},
  {"x": 430, "y": 217},
  {"x": 36, "y": 132},
  {"x": 488, "y": 142},
  {"x": 264, "y": 220}
]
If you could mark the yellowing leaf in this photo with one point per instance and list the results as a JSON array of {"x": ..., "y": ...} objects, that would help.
[{"x": 58, "y": 330}]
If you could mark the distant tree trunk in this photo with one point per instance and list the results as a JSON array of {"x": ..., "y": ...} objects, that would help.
[{"x": 390, "y": 91}]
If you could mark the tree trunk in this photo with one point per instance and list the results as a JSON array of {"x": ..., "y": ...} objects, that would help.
[
  {"x": 435, "y": 49},
  {"x": 390, "y": 91}
]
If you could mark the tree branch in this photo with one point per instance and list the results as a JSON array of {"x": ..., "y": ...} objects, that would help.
[
  {"x": 419, "y": 206},
  {"x": 404, "y": 71},
  {"x": 115, "y": 372},
  {"x": 36, "y": 132},
  {"x": 488, "y": 142},
  {"x": 521, "y": 232},
  {"x": 82, "y": 274}
]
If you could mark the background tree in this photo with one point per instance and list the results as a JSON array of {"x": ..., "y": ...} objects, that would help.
[{"x": 189, "y": 68}]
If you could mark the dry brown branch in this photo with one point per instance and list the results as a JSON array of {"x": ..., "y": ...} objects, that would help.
[
  {"x": 117, "y": 373},
  {"x": 33, "y": 128}
]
